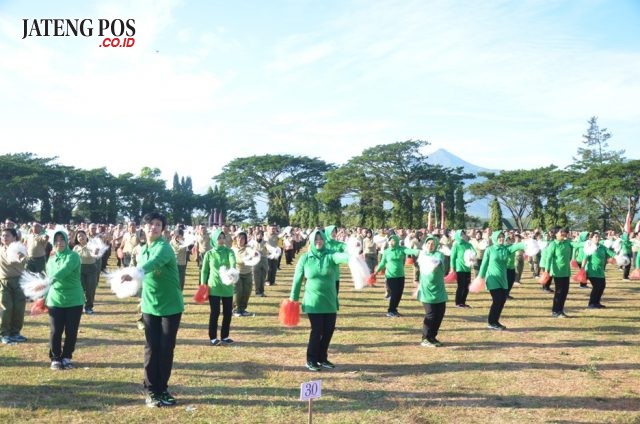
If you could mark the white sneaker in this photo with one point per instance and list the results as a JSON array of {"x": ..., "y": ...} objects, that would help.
[
  {"x": 56, "y": 365},
  {"x": 215, "y": 342}
]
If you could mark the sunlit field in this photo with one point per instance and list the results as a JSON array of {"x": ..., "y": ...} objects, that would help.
[{"x": 585, "y": 369}]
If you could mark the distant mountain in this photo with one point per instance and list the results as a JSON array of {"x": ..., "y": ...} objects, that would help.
[
  {"x": 447, "y": 159},
  {"x": 442, "y": 157}
]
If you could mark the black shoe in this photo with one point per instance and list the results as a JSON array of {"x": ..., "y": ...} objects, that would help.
[
  {"x": 326, "y": 364},
  {"x": 510, "y": 297},
  {"x": 313, "y": 366},
  {"x": 601, "y": 306},
  {"x": 153, "y": 400},
  {"x": 497, "y": 327},
  {"x": 504, "y": 327},
  {"x": 167, "y": 399}
]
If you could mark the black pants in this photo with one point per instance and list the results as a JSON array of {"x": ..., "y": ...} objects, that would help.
[
  {"x": 67, "y": 321},
  {"x": 498, "y": 297},
  {"x": 597, "y": 288},
  {"x": 89, "y": 279},
  {"x": 322, "y": 327},
  {"x": 396, "y": 287},
  {"x": 433, "y": 315},
  {"x": 511, "y": 278},
  {"x": 160, "y": 336},
  {"x": 182, "y": 273},
  {"x": 627, "y": 269},
  {"x": 560, "y": 296},
  {"x": 464, "y": 279},
  {"x": 288, "y": 254},
  {"x": 227, "y": 307},
  {"x": 273, "y": 269}
]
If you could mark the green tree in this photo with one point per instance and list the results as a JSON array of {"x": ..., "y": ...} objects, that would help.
[
  {"x": 495, "y": 215},
  {"x": 460, "y": 209}
]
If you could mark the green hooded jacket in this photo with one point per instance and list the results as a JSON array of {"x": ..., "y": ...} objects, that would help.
[
  {"x": 558, "y": 258},
  {"x": 63, "y": 270},
  {"x": 431, "y": 289},
  {"x": 317, "y": 267},
  {"x": 457, "y": 253},
  {"x": 626, "y": 245},
  {"x": 161, "y": 294},
  {"x": 335, "y": 245},
  {"x": 393, "y": 259},
  {"x": 216, "y": 257},
  {"x": 578, "y": 246},
  {"x": 494, "y": 262}
]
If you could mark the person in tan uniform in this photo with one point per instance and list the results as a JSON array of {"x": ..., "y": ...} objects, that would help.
[
  {"x": 242, "y": 289},
  {"x": 273, "y": 240},
  {"x": 88, "y": 270},
  {"x": 262, "y": 268},
  {"x": 12, "y": 298},
  {"x": 129, "y": 242},
  {"x": 181, "y": 254},
  {"x": 202, "y": 245},
  {"x": 36, "y": 248}
]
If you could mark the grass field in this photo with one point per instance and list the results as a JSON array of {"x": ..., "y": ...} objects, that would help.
[{"x": 580, "y": 370}]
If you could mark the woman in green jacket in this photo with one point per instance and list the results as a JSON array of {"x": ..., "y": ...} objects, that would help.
[
  {"x": 557, "y": 263},
  {"x": 330, "y": 233},
  {"x": 162, "y": 307},
  {"x": 431, "y": 291},
  {"x": 461, "y": 263},
  {"x": 594, "y": 262},
  {"x": 219, "y": 255},
  {"x": 494, "y": 270},
  {"x": 64, "y": 300},
  {"x": 320, "y": 301},
  {"x": 393, "y": 259}
]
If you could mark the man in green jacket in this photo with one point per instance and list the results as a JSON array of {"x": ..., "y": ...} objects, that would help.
[{"x": 462, "y": 259}]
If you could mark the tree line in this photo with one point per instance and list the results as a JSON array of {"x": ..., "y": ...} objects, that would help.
[{"x": 386, "y": 185}]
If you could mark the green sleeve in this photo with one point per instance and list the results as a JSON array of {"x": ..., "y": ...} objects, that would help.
[
  {"x": 204, "y": 272},
  {"x": 383, "y": 262},
  {"x": 485, "y": 263},
  {"x": 513, "y": 248},
  {"x": 454, "y": 255},
  {"x": 160, "y": 258},
  {"x": 340, "y": 258},
  {"x": 297, "y": 279},
  {"x": 232, "y": 259},
  {"x": 412, "y": 252}
]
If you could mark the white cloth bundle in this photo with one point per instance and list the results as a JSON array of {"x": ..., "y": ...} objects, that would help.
[
  {"x": 34, "y": 286},
  {"x": 57, "y": 229},
  {"x": 482, "y": 244},
  {"x": 616, "y": 245},
  {"x": 353, "y": 246},
  {"x": 469, "y": 257},
  {"x": 228, "y": 276},
  {"x": 622, "y": 260},
  {"x": 14, "y": 250},
  {"x": 608, "y": 243},
  {"x": 251, "y": 257},
  {"x": 428, "y": 263},
  {"x": 542, "y": 244},
  {"x": 445, "y": 250},
  {"x": 531, "y": 247},
  {"x": 274, "y": 252},
  {"x": 359, "y": 271},
  {"x": 189, "y": 240},
  {"x": 97, "y": 247},
  {"x": 123, "y": 289},
  {"x": 589, "y": 248}
]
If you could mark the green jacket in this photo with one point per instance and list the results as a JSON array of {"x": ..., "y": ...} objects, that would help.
[
  {"x": 431, "y": 288},
  {"x": 161, "y": 294},
  {"x": 335, "y": 245},
  {"x": 457, "y": 253},
  {"x": 317, "y": 267},
  {"x": 597, "y": 261},
  {"x": 578, "y": 246},
  {"x": 558, "y": 258},
  {"x": 216, "y": 257},
  {"x": 494, "y": 263},
  {"x": 63, "y": 270},
  {"x": 393, "y": 259},
  {"x": 625, "y": 245}
]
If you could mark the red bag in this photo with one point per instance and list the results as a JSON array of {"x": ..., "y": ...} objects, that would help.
[
  {"x": 580, "y": 277},
  {"x": 574, "y": 264},
  {"x": 477, "y": 285},
  {"x": 544, "y": 278},
  {"x": 289, "y": 313},
  {"x": 635, "y": 274},
  {"x": 409, "y": 260},
  {"x": 202, "y": 294},
  {"x": 38, "y": 307},
  {"x": 372, "y": 280},
  {"x": 611, "y": 261},
  {"x": 451, "y": 277}
]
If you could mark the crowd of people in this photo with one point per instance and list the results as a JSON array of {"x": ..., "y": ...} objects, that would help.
[{"x": 73, "y": 258}]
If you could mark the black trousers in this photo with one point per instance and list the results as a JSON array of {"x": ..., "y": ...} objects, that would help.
[
  {"x": 560, "y": 296},
  {"x": 67, "y": 321},
  {"x": 433, "y": 315},
  {"x": 627, "y": 269},
  {"x": 597, "y": 288},
  {"x": 511, "y": 278},
  {"x": 288, "y": 255},
  {"x": 160, "y": 336},
  {"x": 498, "y": 297},
  {"x": 464, "y": 279},
  {"x": 322, "y": 327},
  {"x": 396, "y": 287},
  {"x": 227, "y": 308},
  {"x": 273, "y": 269}
]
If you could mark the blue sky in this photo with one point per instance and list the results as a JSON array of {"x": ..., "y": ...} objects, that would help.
[{"x": 502, "y": 84}]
